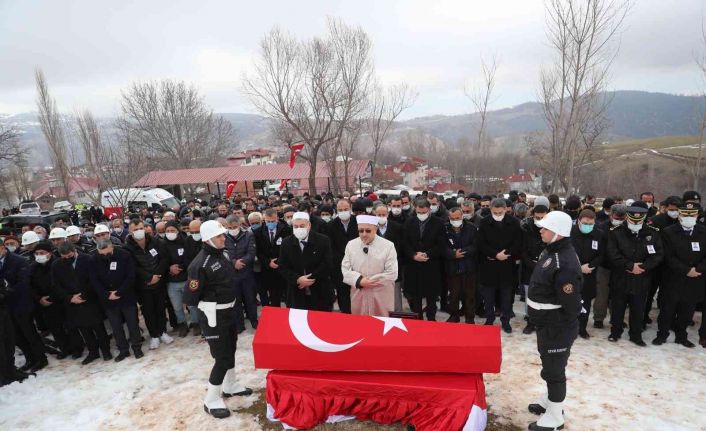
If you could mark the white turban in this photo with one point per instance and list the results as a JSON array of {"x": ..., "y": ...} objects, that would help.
[
  {"x": 366, "y": 219},
  {"x": 301, "y": 216}
]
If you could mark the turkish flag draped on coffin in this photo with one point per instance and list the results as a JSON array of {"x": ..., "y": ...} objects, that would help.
[
  {"x": 431, "y": 402},
  {"x": 340, "y": 342}
]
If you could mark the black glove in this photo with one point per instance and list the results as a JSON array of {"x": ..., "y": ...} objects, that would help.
[{"x": 5, "y": 290}]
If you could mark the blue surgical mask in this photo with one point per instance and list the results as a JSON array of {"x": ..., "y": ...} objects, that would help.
[
  {"x": 256, "y": 226},
  {"x": 586, "y": 228},
  {"x": 271, "y": 225}
]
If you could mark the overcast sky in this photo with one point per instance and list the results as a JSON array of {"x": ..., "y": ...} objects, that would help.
[{"x": 90, "y": 50}]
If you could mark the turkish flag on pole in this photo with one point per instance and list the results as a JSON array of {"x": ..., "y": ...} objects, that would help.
[
  {"x": 292, "y": 339},
  {"x": 229, "y": 188},
  {"x": 295, "y": 149},
  {"x": 283, "y": 184}
]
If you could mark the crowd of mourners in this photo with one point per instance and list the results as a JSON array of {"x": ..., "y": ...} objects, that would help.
[{"x": 72, "y": 288}]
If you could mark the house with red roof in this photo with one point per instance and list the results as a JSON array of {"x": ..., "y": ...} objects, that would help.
[
  {"x": 256, "y": 157},
  {"x": 528, "y": 182}
]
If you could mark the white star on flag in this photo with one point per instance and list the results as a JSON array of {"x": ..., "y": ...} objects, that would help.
[{"x": 391, "y": 322}]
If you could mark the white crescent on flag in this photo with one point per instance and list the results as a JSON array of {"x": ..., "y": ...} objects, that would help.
[{"x": 299, "y": 323}]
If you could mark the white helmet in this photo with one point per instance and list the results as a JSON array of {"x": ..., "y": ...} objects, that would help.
[
  {"x": 57, "y": 233},
  {"x": 211, "y": 229},
  {"x": 73, "y": 230},
  {"x": 100, "y": 228},
  {"x": 558, "y": 222},
  {"x": 29, "y": 237}
]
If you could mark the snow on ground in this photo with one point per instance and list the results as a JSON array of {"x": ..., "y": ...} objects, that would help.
[{"x": 610, "y": 387}]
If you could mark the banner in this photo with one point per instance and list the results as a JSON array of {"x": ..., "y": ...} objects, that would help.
[
  {"x": 294, "y": 150},
  {"x": 229, "y": 188}
]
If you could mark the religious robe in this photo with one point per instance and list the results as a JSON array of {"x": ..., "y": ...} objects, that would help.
[{"x": 379, "y": 263}]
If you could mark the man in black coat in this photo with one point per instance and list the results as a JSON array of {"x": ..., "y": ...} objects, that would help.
[
  {"x": 499, "y": 243},
  {"x": 685, "y": 258},
  {"x": 532, "y": 247},
  {"x": 305, "y": 263},
  {"x": 240, "y": 246},
  {"x": 71, "y": 281},
  {"x": 14, "y": 269},
  {"x": 634, "y": 250},
  {"x": 151, "y": 267},
  {"x": 461, "y": 265},
  {"x": 341, "y": 230},
  {"x": 51, "y": 309},
  {"x": 268, "y": 240},
  {"x": 423, "y": 248},
  {"x": 175, "y": 246},
  {"x": 396, "y": 213},
  {"x": 392, "y": 231},
  {"x": 590, "y": 245},
  {"x": 113, "y": 279}
]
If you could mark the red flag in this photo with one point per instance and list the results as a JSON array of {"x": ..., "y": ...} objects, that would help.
[
  {"x": 291, "y": 339},
  {"x": 283, "y": 184},
  {"x": 295, "y": 149},
  {"x": 229, "y": 188}
]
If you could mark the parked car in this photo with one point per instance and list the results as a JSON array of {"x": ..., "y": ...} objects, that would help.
[
  {"x": 30, "y": 208},
  {"x": 63, "y": 206},
  {"x": 15, "y": 222}
]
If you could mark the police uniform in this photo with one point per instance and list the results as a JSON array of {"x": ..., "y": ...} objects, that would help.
[
  {"x": 684, "y": 249},
  {"x": 554, "y": 304},
  {"x": 627, "y": 247},
  {"x": 210, "y": 288}
]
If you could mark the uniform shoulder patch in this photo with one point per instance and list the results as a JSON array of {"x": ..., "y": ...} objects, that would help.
[
  {"x": 568, "y": 288},
  {"x": 547, "y": 263},
  {"x": 193, "y": 285}
]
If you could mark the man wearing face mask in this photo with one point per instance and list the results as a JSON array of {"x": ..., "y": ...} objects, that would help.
[
  {"x": 326, "y": 213},
  {"x": 29, "y": 241},
  {"x": 460, "y": 260},
  {"x": 341, "y": 230},
  {"x": 71, "y": 283},
  {"x": 118, "y": 229},
  {"x": 370, "y": 269},
  {"x": 12, "y": 244},
  {"x": 484, "y": 210},
  {"x": 649, "y": 199},
  {"x": 175, "y": 246},
  {"x": 240, "y": 246},
  {"x": 554, "y": 304},
  {"x": 305, "y": 262},
  {"x": 603, "y": 216},
  {"x": 670, "y": 216},
  {"x": 51, "y": 309},
  {"x": 573, "y": 206},
  {"x": 692, "y": 196},
  {"x": 603, "y": 273},
  {"x": 423, "y": 246},
  {"x": 112, "y": 278},
  {"x": 532, "y": 247},
  {"x": 589, "y": 244},
  {"x": 210, "y": 288},
  {"x": 683, "y": 287},
  {"x": 406, "y": 204},
  {"x": 396, "y": 213},
  {"x": 151, "y": 267},
  {"x": 437, "y": 207},
  {"x": 634, "y": 250},
  {"x": 392, "y": 231},
  {"x": 499, "y": 242},
  {"x": 287, "y": 214},
  {"x": 267, "y": 244}
]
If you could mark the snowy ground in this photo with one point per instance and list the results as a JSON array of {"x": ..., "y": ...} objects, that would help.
[{"x": 610, "y": 387}]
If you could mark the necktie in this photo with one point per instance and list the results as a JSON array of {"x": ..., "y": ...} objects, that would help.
[
  {"x": 272, "y": 236},
  {"x": 303, "y": 244}
]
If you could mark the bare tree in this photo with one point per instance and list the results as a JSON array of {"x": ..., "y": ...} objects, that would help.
[
  {"x": 172, "y": 124},
  {"x": 481, "y": 96},
  {"x": 10, "y": 147},
  {"x": 114, "y": 160},
  {"x": 53, "y": 130},
  {"x": 583, "y": 35},
  {"x": 385, "y": 106},
  {"x": 315, "y": 88},
  {"x": 701, "y": 62}
]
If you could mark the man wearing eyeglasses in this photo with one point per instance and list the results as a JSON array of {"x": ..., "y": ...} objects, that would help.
[{"x": 370, "y": 267}]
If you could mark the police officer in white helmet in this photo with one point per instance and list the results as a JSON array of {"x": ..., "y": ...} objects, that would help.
[{"x": 554, "y": 304}]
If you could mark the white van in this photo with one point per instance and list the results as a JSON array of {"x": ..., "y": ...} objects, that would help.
[{"x": 112, "y": 200}]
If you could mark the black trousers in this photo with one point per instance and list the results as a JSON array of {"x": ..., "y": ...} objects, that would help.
[
  {"x": 343, "y": 295},
  {"x": 95, "y": 338},
  {"x": 222, "y": 341},
  {"x": 675, "y": 312},
  {"x": 618, "y": 304},
  {"x": 554, "y": 346},
  {"x": 124, "y": 314},
  {"x": 488, "y": 293},
  {"x": 274, "y": 285},
  {"x": 27, "y": 338},
  {"x": 415, "y": 304},
  {"x": 245, "y": 296},
  {"x": 462, "y": 288},
  {"x": 261, "y": 290},
  {"x": 7, "y": 347},
  {"x": 55, "y": 321},
  {"x": 153, "y": 302}
]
